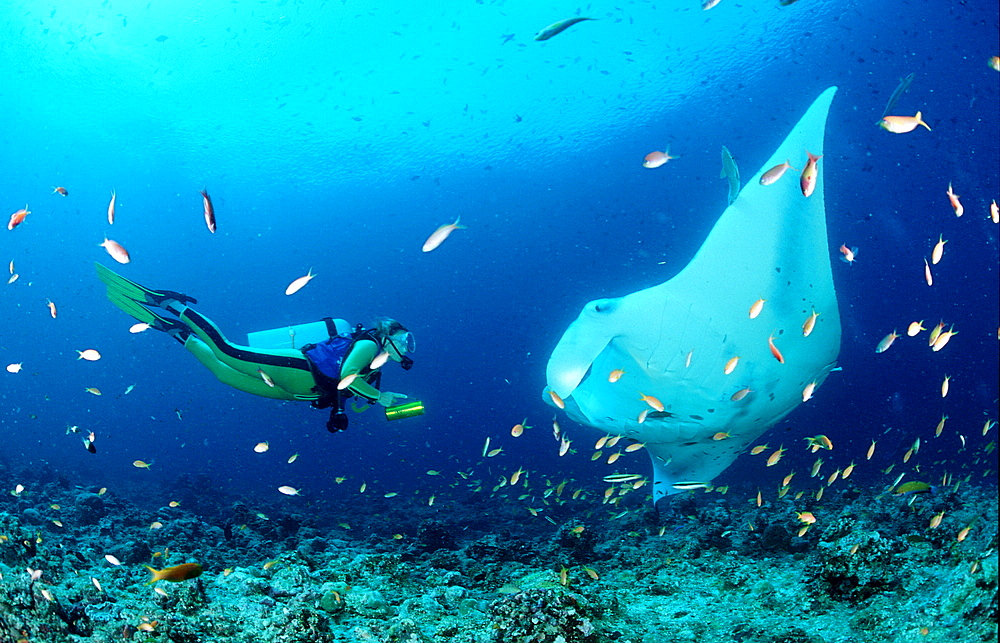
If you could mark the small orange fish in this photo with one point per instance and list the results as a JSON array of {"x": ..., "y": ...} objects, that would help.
[
  {"x": 806, "y": 517},
  {"x": 615, "y": 375},
  {"x": 849, "y": 254},
  {"x": 52, "y": 308},
  {"x": 928, "y": 277},
  {"x": 740, "y": 394},
  {"x": 809, "y": 324},
  {"x": 111, "y": 208},
  {"x": 936, "y": 520},
  {"x": 814, "y": 444},
  {"x": 558, "y": 401},
  {"x": 807, "y": 392},
  {"x": 914, "y": 328},
  {"x": 871, "y": 451},
  {"x": 938, "y": 250},
  {"x": 18, "y": 217},
  {"x": 757, "y": 450},
  {"x": 994, "y": 212},
  {"x": 775, "y": 457},
  {"x": 731, "y": 365},
  {"x": 776, "y": 172},
  {"x": 93, "y": 391},
  {"x": 175, "y": 574},
  {"x": 774, "y": 350},
  {"x": 721, "y": 435},
  {"x": 652, "y": 402},
  {"x": 116, "y": 250},
  {"x": 518, "y": 429},
  {"x": 756, "y": 308},
  {"x": 267, "y": 378},
  {"x": 943, "y": 338},
  {"x": 956, "y": 205},
  {"x": 807, "y": 180},
  {"x": 60, "y": 191},
  {"x": 902, "y": 124},
  {"x": 654, "y": 160}
]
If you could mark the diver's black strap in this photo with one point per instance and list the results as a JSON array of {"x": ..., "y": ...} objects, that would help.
[{"x": 331, "y": 326}]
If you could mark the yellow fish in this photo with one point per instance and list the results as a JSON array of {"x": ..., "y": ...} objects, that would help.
[{"x": 902, "y": 124}]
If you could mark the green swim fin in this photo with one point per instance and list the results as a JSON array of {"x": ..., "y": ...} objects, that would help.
[
  {"x": 132, "y": 298},
  {"x": 122, "y": 287}
]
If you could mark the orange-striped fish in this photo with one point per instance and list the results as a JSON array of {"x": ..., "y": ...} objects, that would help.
[
  {"x": 807, "y": 180},
  {"x": 774, "y": 350}
]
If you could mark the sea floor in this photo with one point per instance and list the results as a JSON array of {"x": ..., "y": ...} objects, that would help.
[{"x": 705, "y": 568}]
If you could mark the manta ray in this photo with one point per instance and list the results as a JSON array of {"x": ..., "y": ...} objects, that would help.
[{"x": 676, "y": 343}]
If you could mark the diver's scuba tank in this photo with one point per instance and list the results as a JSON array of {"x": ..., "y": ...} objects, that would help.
[{"x": 408, "y": 410}]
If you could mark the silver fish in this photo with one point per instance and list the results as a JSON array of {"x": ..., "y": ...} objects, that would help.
[
  {"x": 902, "y": 87},
  {"x": 731, "y": 172}
]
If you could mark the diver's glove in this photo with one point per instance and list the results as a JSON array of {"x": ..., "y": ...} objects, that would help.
[{"x": 388, "y": 399}]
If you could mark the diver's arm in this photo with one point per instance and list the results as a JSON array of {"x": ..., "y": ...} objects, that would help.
[{"x": 361, "y": 355}]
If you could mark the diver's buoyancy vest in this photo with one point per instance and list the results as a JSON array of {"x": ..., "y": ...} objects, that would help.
[{"x": 326, "y": 358}]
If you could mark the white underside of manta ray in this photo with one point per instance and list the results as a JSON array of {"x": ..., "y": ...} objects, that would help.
[{"x": 770, "y": 244}]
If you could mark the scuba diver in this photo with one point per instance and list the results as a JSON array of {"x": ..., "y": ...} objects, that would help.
[{"x": 334, "y": 363}]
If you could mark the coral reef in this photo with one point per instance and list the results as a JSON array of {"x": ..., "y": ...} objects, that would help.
[{"x": 705, "y": 568}]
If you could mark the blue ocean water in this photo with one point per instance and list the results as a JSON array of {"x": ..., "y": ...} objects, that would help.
[{"x": 335, "y": 136}]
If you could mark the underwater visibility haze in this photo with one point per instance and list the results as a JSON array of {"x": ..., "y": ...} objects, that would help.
[{"x": 774, "y": 421}]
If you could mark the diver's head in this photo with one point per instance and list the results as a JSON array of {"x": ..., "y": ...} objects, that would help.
[{"x": 396, "y": 340}]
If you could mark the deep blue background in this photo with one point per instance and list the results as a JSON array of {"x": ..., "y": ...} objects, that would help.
[{"x": 338, "y": 135}]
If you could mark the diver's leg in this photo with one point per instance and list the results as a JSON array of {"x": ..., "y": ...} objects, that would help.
[
  {"x": 236, "y": 379},
  {"x": 287, "y": 368}
]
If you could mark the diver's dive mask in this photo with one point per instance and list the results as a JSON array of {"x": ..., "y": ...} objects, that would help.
[{"x": 401, "y": 345}]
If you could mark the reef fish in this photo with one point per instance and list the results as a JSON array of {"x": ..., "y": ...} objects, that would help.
[
  {"x": 557, "y": 28},
  {"x": 438, "y": 236},
  {"x": 206, "y": 202},
  {"x": 175, "y": 574}
]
